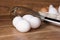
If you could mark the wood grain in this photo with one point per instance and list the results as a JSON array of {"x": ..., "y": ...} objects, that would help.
[
  {"x": 33, "y": 4},
  {"x": 46, "y": 31}
]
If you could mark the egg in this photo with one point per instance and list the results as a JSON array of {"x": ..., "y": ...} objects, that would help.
[
  {"x": 16, "y": 20},
  {"x": 23, "y": 26},
  {"x": 59, "y": 9},
  {"x": 20, "y": 24},
  {"x": 34, "y": 21}
]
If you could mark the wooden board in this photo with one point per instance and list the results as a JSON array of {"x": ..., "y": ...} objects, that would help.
[{"x": 46, "y": 31}]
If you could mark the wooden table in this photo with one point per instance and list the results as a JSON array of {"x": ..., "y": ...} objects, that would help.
[{"x": 45, "y": 32}]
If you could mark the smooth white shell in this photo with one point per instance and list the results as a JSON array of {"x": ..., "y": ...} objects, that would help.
[
  {"x": 21, "y": 24},
  {"x": 34, "y": 21},
  {"x": 16, "y": 20}
]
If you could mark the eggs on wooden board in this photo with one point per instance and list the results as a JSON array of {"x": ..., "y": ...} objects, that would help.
[{"x": 25, "y": 23}]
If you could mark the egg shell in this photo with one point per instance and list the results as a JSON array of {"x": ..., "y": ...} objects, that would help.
[
  {"x": 23, "y": 26},
  {"x": 16, "y": 20},
  {"x": 20, "y": 24}
]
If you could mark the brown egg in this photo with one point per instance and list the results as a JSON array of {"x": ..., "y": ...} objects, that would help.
[{"x": 44, "y": 10}]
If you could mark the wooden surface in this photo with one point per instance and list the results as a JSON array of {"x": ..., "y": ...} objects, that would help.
[
  {"x": 45, "y": 32},
  {"x": 33, "y": 4},
  {"x": 8, "y": 31}
]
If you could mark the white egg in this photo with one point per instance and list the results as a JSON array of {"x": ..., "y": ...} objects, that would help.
[
  {"x": 23, "y": 26},
  {"x": 59, "y": 9},
  {"x": 16, "y": 20},
  {"x": 52, "y": 10},
  {"x": 20, "y": 24},
  {"x": 34, "y": 21}
]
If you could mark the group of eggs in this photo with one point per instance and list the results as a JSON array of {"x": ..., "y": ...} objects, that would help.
[
  {"x": 25, "y": 23},
  {"x": 52, "y": 12}
]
